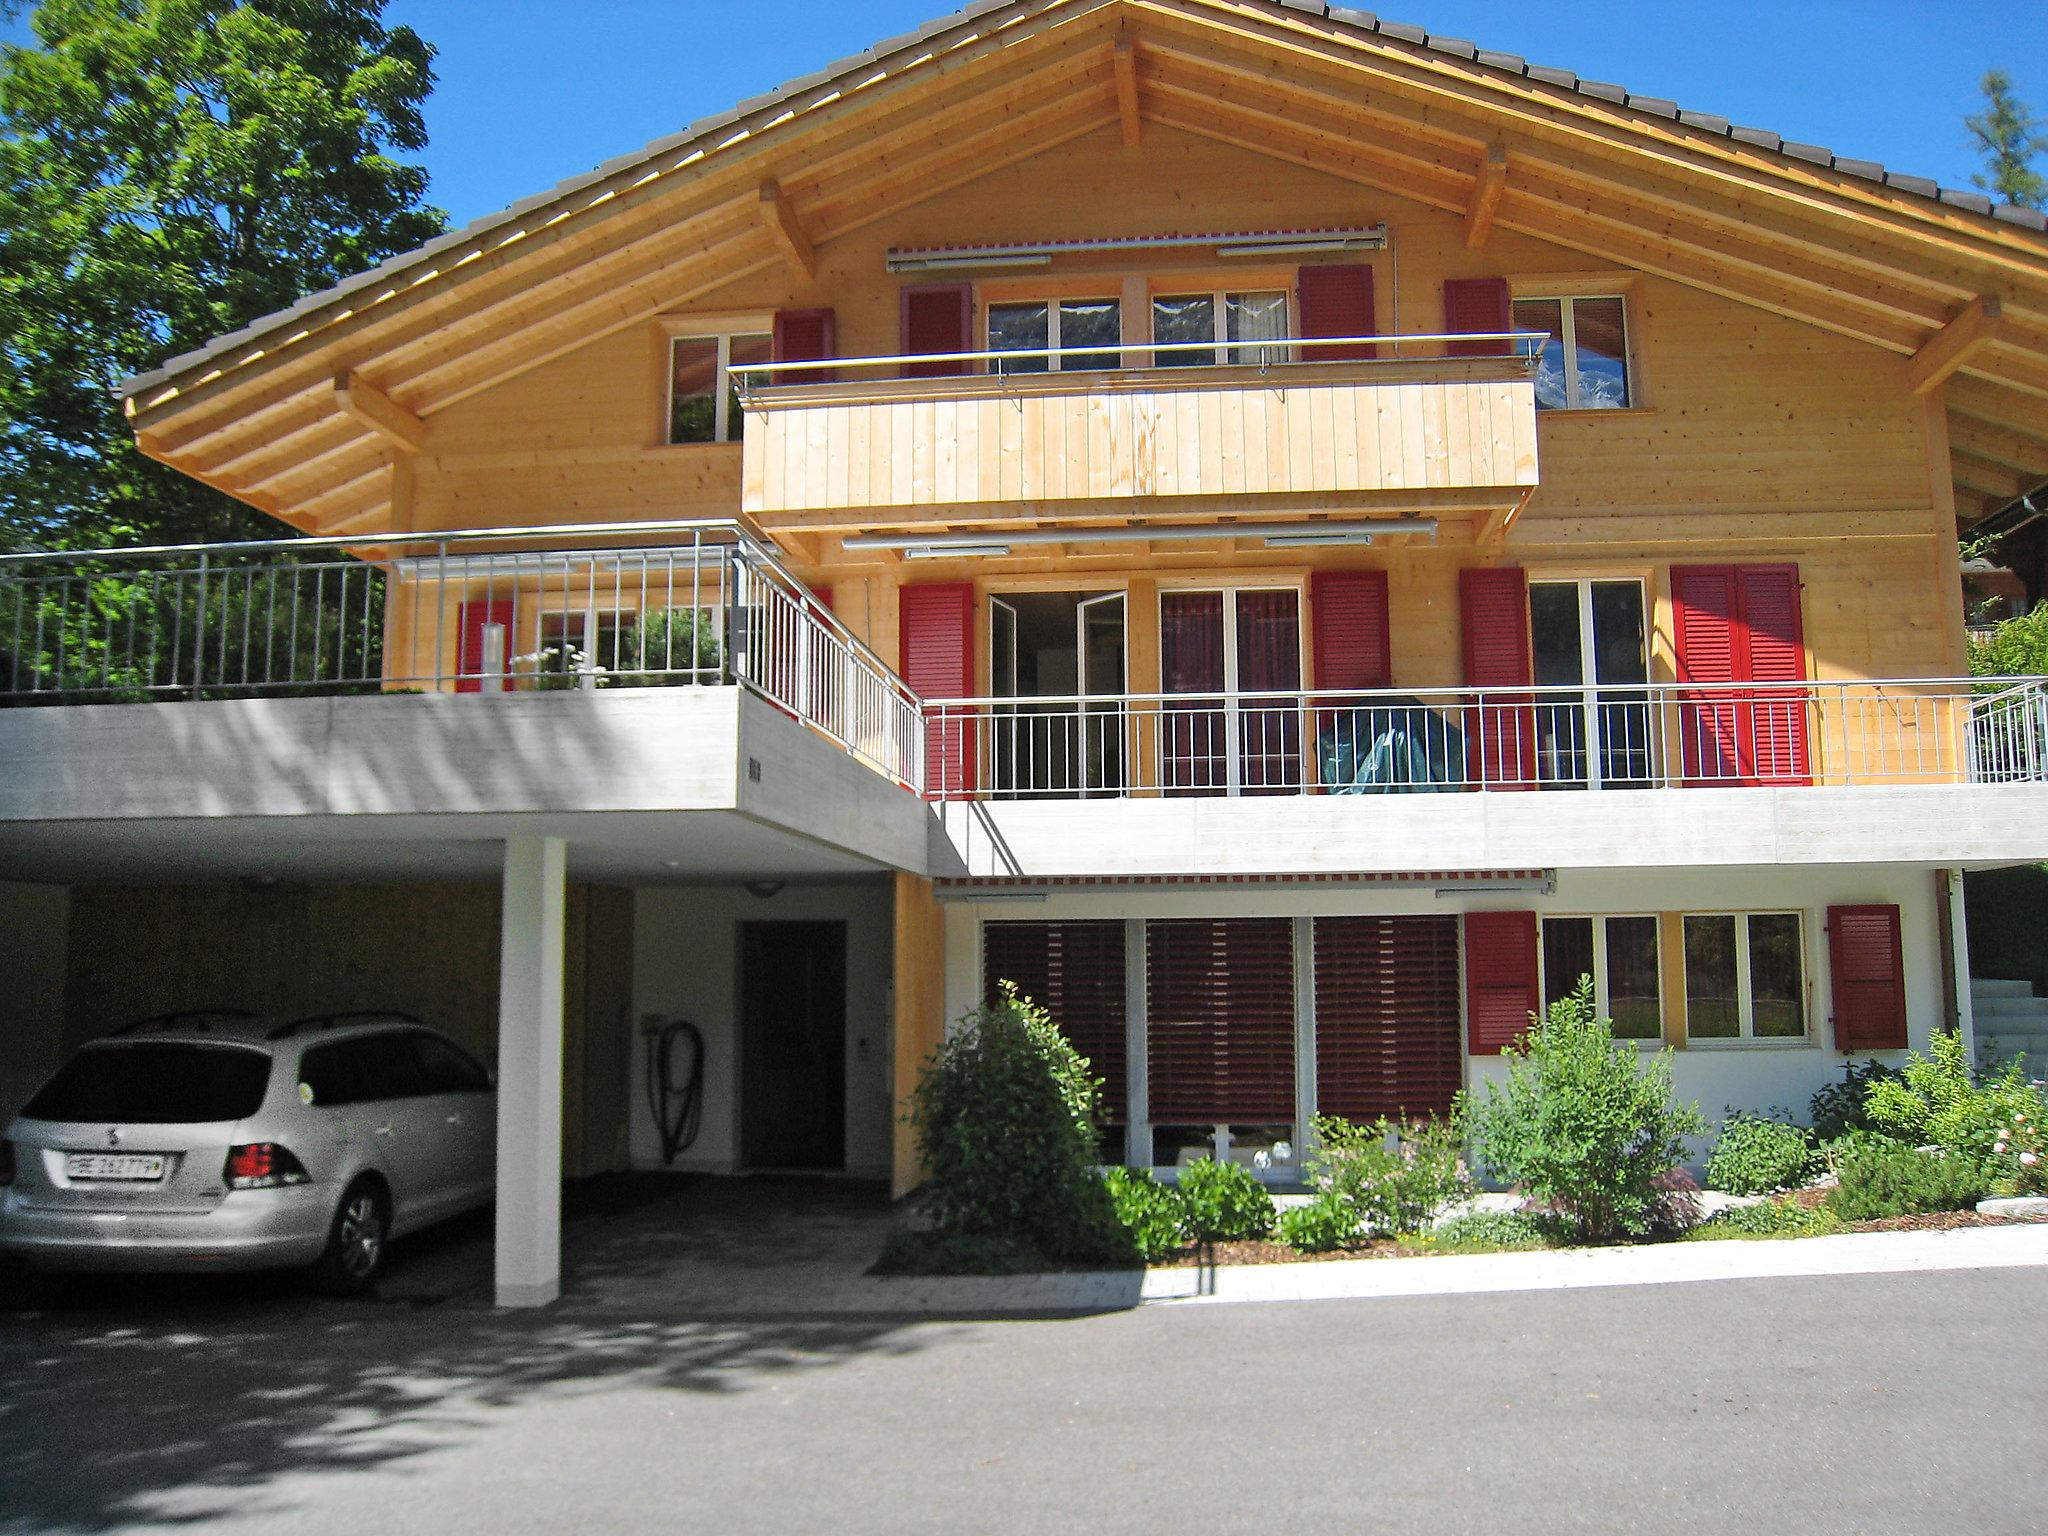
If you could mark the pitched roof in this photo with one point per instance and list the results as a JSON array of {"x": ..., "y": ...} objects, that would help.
[{"x": 706, "y": 134}]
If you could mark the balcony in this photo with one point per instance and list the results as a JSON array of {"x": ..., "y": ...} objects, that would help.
[
  {"x": 1929, "y": 771},
  {"x": 277, "y": 703},
  {"x": 1399, "y": 430}
]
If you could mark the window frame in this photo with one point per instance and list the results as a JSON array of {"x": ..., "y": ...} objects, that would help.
[
  {"x": 1566, "y": 298},
  {"x": 1219, "y": 321},
  {"x": 1589, "y": 666},
  {"x": 1601, "y": 1008},
  {"x": 1745, "y": 993},
  {"x": 1053, "y": 303},
  {"x": 721, "y": 330}
]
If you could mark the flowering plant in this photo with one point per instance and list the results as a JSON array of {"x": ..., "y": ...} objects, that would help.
[{"x": 2019, "y": 1150}]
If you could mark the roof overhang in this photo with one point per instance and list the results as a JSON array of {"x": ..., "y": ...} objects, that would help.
[{"x": 313, "y": 413}]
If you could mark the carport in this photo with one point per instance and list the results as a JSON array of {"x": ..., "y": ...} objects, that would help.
[{"x": 541, "y": 795}]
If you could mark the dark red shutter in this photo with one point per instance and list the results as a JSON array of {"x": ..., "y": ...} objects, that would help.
[
  {"x": 1740, "y": 624},
  {"x": 1775, "y": 645},
  {"x": 937, "y": 317},
  {"x": 1387, "y": 1016},
  {"x": 1868, "y": 970},
  {"x": 1500, "y": 746},
  {"x": 935, "y": 626},
  {"x": 1219, "y": 1021},
  {"x": 1500, "y": 978},
  {"x": 1336, "y": 301},
  {"x": 805, "y": 336},
  {"x": 1477, "y": 304},
  {"x": 1348, "y": 625},
  {"x": 470, "y": 620},
  {"x": 1075, "y": 972}
]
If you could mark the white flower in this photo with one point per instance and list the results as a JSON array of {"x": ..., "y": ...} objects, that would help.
[{"x": 2028, "y": 1159}]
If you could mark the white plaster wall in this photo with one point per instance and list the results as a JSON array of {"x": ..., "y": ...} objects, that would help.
[
  {"x": 33, "y": 920},
  {"x": 686, "y": 963},
  {"x": 1753, "y": 1076}
]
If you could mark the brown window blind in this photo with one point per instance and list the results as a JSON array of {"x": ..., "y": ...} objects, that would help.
[
  {"x": 1219, "y": 1028},
  {"x": 1075, "y": 972},
  {"x": 1387, "y": 1016}
]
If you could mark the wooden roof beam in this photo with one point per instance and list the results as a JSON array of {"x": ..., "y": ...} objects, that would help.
[
  {"x": 358, "y": 398},
  {"x": 1486, "y": 195},
  {"x": 1124, "y": 58},
  {"x": 781, "y": 222},
  {"x": 1998, "y": 445},
  {"x": 1975, "y": 324},
  {"x": 1991, "y": 479}
]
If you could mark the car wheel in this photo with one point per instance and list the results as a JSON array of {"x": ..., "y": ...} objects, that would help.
[{"x": 356, "y": 1242}]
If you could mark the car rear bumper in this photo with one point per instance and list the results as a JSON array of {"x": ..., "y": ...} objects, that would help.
[{"x": 248, "y": 1229}]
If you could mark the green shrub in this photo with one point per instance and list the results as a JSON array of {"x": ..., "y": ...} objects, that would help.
[
  {"x": 1152, "y": 1213},
  {"x": 1005, "y": 1122},
  {"x": 1882, "y": 1178},
  {"x": 1773, "y": 1218},
  {"x": 1583, "y": 1124},
  {"x": 1492, "y": 1232},
  {"x": 668, "y": 645},
  {"x": 1756, "y": 1155},
  {"x": 1324, "y": 1225},
  {"x": 1394, "y": 1178},
  {"x": 1224, "y": 1203},
  {"x": 1936, "y": 1099},
  {"x": 1837, "y": 1109}
]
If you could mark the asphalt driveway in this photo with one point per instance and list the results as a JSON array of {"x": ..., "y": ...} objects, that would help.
[{"x": 1891, "y": 1403}]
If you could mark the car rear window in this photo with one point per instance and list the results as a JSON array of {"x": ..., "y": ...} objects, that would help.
[{"x": 157, "y": 1083}]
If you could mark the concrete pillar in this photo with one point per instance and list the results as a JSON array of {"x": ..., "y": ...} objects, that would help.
[
  {"x": 532, "y": 925},
  {"x": 1958, "y": 926}
]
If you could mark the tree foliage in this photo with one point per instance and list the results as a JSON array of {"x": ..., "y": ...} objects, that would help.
[
  {"x": 169, "y": 171},
  {"x": 2009, "y": 137}
]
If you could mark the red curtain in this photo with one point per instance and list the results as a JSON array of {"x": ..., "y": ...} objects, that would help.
[
  {"x": 1191, "y": 736},
  {"x": 1269, "y": 660}
]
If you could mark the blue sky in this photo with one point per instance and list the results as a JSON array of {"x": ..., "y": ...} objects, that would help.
[
  {"x": 532, "y": 91},
  {"x": 535, "y": 90}
]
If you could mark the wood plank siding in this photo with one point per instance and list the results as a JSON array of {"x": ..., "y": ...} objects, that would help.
[{"x": 981, "y": 442}]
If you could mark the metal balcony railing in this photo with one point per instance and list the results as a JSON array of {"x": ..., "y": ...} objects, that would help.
[
  {"x": 488, "y": 611},
  {"x": 1910, "y": 731}
]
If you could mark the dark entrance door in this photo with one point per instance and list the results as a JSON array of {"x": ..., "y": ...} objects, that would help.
[{"x": 793, "y": 1045}]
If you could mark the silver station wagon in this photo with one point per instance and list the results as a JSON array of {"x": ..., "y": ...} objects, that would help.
[{"x": 213, "y": 1140}]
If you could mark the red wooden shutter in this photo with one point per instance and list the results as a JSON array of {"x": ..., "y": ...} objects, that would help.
[
  {"x": 1336, "y": 301},
  {"x": 1500, "y": 747},
  {"x": 1075, "y": 972},
  {"x": 1348, "y": 625},
  {"x": 1477, "y": 304},
  {"x": 1868, "y": 972},
  {"x": 805, "y": 336},
  {"x": 935, "y": 626},
  {"x": 1219, "y": 1020},
  {"x": 937, "y": 317},
  {"x": 470, "y": 620},
  {"x": 1740, "y": 624},
  {"x": 1500, "y": 978},
  {"x": 1387, "y": 1016},
  {"x": 1775, "y": 653}
]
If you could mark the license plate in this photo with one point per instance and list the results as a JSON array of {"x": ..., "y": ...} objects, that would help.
[{"x": 134, "y": 1166}]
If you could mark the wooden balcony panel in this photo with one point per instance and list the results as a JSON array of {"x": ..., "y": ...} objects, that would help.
[{"x": 1445, "y": 426}]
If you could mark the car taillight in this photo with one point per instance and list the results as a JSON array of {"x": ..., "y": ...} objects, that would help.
[
  {"x": 6, "y": 1163},
  {"x": 262, "y": 1165}
]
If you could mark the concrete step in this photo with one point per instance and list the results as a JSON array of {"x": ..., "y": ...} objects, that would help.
[
  {"x": 1997, "y": 1049},
  {"x": 1987, "y": 986},
  {"x": 2025, "y": 1012}
]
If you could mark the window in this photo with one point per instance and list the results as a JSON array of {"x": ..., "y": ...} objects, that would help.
[
  {"x": 703, "y": 402},
  {"x": 1206, "y": 317},
  {"x": 1589, "y": 635},
  {"x": 158, "y": 1083},
  {"x": 1620, "y": 954},
  {"x": 1042, "y": 324},
  {"x": 445, "y": 1067},
  {"x": 1219, "y": 645},
  {"x": 1584, "y": 363},
  {"x": 1744, "y": 976},
  {"x": 581, "y": 643},
  {"x": 364, "y": 1070}
]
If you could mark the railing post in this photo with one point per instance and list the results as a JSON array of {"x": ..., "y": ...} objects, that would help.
[{"x": 199, "y": 631}]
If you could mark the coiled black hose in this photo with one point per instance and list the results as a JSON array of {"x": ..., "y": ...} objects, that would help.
[{"x": 678, "y": 1110}]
